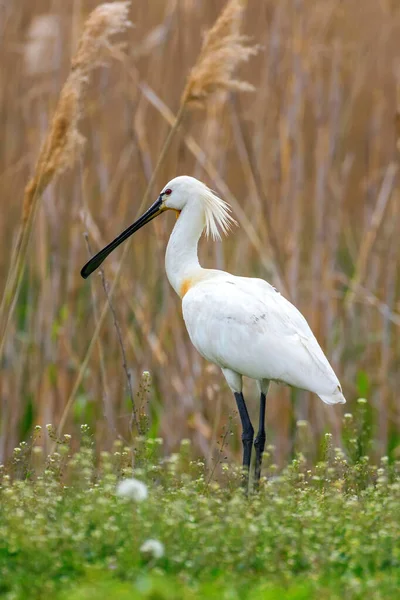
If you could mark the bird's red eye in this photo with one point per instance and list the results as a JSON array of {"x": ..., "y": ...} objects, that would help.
[{"x": 168, "y": 192}]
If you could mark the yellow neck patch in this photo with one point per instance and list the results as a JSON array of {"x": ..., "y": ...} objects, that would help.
[{"x": 185, "y": 286}]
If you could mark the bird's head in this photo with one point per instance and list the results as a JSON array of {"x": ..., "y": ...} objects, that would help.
[
  {"x": 179, "y": 193},
  {"x": 185, "y": 191}
]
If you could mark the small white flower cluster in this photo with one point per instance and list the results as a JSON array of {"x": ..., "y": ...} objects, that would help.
[{"x": 132, "y": 489}]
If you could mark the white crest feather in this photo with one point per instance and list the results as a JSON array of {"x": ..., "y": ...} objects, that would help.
[{"x": 217, "y": 214}]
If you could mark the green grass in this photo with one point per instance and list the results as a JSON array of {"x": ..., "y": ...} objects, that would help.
[{"x": 331, "y": 531}]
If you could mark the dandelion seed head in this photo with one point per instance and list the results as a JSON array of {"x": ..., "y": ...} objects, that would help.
[
  {"x": 153, "y": 548},
  {"x": 132, "y": 489}
]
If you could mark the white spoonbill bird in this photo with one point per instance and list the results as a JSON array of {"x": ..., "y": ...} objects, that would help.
[{"x": 241, "y": 324}]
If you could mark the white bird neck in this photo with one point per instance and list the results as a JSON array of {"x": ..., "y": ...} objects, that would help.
[{"x": 181, "y": 261}]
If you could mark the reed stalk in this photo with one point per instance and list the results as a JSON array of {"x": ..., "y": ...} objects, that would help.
[{"x": 64, "y": 143}]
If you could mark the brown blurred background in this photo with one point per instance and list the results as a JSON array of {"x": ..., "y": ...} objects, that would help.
[{"x": 309, "y": 163}]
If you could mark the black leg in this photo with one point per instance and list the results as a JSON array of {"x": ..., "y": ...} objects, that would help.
[
  {"x": 259, "y": 442},
  {"x": 247, "y": 432}
]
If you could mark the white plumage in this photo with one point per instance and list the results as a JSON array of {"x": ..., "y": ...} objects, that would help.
[{"x": 243, "y": 325}]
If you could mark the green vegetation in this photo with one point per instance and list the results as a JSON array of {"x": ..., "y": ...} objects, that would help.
[{"x": 67, "y": 527}]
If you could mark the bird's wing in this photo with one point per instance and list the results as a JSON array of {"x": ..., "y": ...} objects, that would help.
[{"x": 246, "y": 325}]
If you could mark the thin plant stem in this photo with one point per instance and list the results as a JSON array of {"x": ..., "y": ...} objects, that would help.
[
  {"x": 273, "y": 241},
  {"x": 163, "y": 154},
  {"x": 383, "y": 199},
  {"x": 14, "y": 280},
  {"x": 106, "y": 393},
  {"x": 120, "y": 341}
]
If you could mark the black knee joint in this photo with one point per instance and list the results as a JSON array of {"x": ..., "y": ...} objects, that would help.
[
  {"x": 248, "y": 435},
  {"x": 259, "y": 442}
]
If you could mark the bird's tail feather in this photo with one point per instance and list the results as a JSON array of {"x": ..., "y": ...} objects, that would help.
[{"x": 335, "y": 398}]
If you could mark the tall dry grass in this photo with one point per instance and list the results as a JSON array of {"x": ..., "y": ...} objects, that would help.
[
  {"x": 308, "y": 161},
  {"x": 63, "y": 144}
]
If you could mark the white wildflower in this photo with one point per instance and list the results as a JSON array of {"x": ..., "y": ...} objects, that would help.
[
  {"x": 152, "y": 548},
  {"x": 133, "y": 489}
]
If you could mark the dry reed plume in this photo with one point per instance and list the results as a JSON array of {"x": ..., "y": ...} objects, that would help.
[
  {"x": 223, "y": 49},
  {"x": 64, "y": 143}
]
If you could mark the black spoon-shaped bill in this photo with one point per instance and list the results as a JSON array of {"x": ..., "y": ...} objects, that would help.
[{"x": 94, "y": 263}]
